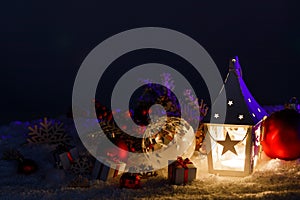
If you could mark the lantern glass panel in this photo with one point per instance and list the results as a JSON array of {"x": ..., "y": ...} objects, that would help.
[
  {"x": 229, "y": 146},
  {"x": 256, "y": 148}
]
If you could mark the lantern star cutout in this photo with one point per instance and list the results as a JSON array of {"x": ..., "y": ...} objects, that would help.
[
  {"x": 216, "y": 116},
  {"x": 241, "y": 117},
  {"x": 230, "y": 103},
  {"x": 228, "y": 144}
]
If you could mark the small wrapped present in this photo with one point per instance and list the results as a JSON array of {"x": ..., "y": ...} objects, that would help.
[
  {"x": 107, "y": 169},
  {"x": 130, "y": 180},
  {"x": 181, "y": 171},
  {"x": 65, "y": 156}
]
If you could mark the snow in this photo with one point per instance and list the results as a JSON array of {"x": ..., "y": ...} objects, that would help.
[
  {"x": 273, "y": 108},
  {"x": 271, "y": 179}
]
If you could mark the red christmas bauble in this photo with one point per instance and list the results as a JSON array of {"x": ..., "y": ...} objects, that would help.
[
  {"x": 130, "y": 180},
  {"x": 27, "y": 166},
  {"x": 123, "y": 152},
  {"x": 120, "y": 153},
  {"x": 282, "y": 135}
]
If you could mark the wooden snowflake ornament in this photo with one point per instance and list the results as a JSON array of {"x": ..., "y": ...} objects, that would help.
[{"x": 48, "y": 132}]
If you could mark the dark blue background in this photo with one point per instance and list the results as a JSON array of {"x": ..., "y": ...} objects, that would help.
[{"x": 43, "y": 43}]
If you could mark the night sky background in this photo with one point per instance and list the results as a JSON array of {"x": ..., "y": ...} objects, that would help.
[{"x": 43, "y": 43}]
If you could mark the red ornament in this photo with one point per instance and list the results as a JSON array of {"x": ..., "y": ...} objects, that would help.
[
  {"x": 123, "y": 152},
  {"x": 282, "y": 135},
  {"x": 130, "y": 180},
  {"x": 27, "y": 166},
  {"x": 120, "y": 151}
]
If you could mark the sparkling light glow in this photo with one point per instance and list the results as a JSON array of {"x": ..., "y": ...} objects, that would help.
[{"x": 228, "y": 160}]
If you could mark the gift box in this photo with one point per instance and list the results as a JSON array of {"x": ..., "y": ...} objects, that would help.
[
  {"x": 107, "y": 169},
  {"x": 181, "y": 171},
  {"x": 65, "y": 156},
  {"x": 130, "y": 180}
]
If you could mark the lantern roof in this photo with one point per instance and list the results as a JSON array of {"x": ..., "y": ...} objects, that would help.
[{"x": 242, "y": 108}]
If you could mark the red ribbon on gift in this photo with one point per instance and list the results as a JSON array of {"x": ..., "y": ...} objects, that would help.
[
  {"x": 183, "y": 164},
  {"x": 116, "y": 171},
  {"x": 115, "y": 159},
  {"x": 69, "y": 155},
  {"x": 186, "y": 175}
]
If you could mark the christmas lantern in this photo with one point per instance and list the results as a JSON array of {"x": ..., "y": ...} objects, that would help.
[
  {"x": 233, "y": 138},
  {"x": 234, "y": 148}
]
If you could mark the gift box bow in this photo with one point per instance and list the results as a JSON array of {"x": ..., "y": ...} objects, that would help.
[{"x": 180, "y": 162}]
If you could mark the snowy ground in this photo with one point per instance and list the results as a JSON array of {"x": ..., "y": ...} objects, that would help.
[
  {"x": 275, "y": 180},
  {"x": 272, "y": 179}
]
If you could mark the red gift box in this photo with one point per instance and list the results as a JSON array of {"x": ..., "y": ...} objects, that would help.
[{"x": 181, "y": 171}]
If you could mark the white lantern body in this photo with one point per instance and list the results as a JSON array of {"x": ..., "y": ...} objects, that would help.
[{"x": 234, "y": 149}]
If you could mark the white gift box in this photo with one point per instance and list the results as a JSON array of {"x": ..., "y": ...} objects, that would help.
[{"x": 107, "y": 169}]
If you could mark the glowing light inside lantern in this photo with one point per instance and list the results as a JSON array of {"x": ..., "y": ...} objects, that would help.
[
  {"x": 228, "y": 160},
  {"x": 235, "y": 164}
]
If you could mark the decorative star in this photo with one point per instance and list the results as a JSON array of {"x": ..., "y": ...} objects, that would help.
[
  {"x": 258, "y": 109},
  {"x": 228, "y": 144},
  {"x": 230, "y": 103},
  {"x": 216, "y": 116},
  {"x": 241, "y": 117},
  {"x": 249, "y": 100}
]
